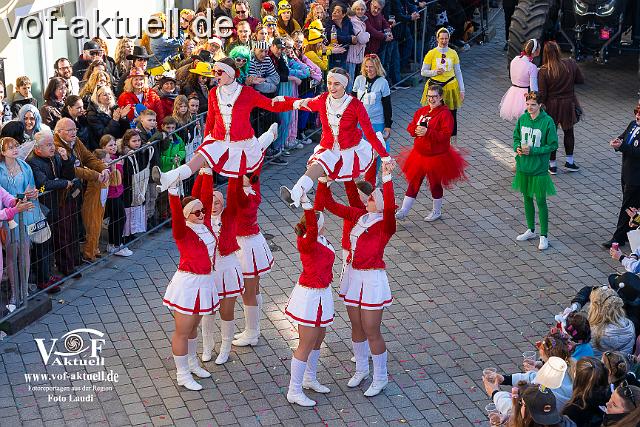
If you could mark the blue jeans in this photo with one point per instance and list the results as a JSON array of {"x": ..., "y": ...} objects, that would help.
[
  {"x": 351, "y": 68},
  {"x": 392, "y": 62}
]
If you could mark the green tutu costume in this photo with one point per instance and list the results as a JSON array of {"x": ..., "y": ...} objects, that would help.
[{"x": 533, "y": 186}]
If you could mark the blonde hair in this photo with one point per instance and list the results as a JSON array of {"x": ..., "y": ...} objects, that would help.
[
  {"x": 90, "y": 86},
  {"x": 121, "y": 50},
  {"x": 182, "y": 119},
  {"x": 375, "y": 59},
  {"x": 606, "y": 308},
  {"x": 128, "y": 87},
  {"x": 96, "y": 93}
]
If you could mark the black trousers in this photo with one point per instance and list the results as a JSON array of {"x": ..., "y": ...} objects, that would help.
[
  {"x": 41, "y": 261},
  {"x": 630, "y": 198},
  {"x": 114, "y": 209},
  {"x": 509, "y": 6}
]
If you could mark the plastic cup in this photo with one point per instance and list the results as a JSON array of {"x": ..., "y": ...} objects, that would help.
[
  {"x": 494, "y": 419},
  {"x": 530, "y": 356},
  {"x": 490, "y": 374}
]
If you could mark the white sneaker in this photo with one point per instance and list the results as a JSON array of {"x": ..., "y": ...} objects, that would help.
[
  {"x": 376, "y": 387},
  {"x": 300, "y": 399},
  {"x": 315, "y": 386},
  {"x": 527, "y": 235},
  {"x": 433, "y": 215},
  {"x": 401, "y": 215},
  {"x": 111, "y": 249},
  {"x": 544, "y": 243},
  {"x": 188, "y": 382},
  {"x": 124, "y": 252},
  {"x": 306, "y": 141},
  {"x": 357, "y": 378}
]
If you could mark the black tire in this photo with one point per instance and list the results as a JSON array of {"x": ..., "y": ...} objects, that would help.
[{"x": 532, "y": 19}]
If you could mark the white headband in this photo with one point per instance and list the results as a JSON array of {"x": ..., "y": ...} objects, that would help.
[
  {"x": 377, "y": 196},
  {"x": 186, "y": 211},
  {"x": 535, "y": 45},
  {"x": 320, "y": 221},
  {"x": 342, "y": 79},
  {"x": 226, "y": 68}
]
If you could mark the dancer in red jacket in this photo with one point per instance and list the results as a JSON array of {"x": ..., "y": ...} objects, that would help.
[
  {"x": 367, "y": 292},
  {"x": 191, "y": 292},
  {"x": 432, "y": 155},
  {"x": 343, "y": 154},
  {"x": 255, "y": 257},
  {"x": 310, "y": 305},
  {"x": 227, "y": 272}
]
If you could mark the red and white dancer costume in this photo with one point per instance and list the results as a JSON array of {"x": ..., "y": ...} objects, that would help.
[
  {"x": 227, "y": 273},
  {"x": 353, "y": 197},
  {"x": 343, "y": 153},
  {"x": 433, "y": 157},
  {"x": 311, "y": 301},
  {"x": 367, "y": 285}
]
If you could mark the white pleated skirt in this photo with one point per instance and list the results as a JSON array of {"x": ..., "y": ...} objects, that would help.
[
  {"x": 310, "y": 307},
  {"x": 190, "y": 293}
]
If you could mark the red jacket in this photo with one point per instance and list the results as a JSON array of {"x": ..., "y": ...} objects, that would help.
[
  {"x": 151, "y": 100},
  {"x": 166, "y": 105},
  {"x": 194, "y": 257},
  {"x": 349, "y": 133},
  {"x": 227, "y": 242},
  {"x": 369, "y": 251},
  {"x": 241, "y": 129},
  {"x": 248, "y": 209},
  {"x": 437, "y": 140},
  {"x": 353, "y": 196},
  {"x": 317, "y": 259}
]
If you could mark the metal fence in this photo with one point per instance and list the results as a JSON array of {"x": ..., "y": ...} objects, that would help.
[{"x": 80, "y": 220}]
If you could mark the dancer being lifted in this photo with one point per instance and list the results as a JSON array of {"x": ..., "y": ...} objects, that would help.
[
  {"x": 432, "y": 155},
  {"x": 343, "y": 154}
]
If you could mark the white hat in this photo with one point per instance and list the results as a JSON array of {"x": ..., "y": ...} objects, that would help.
[{"x": 552, "y": 373}]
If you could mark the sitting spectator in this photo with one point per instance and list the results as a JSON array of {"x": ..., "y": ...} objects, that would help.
[
  {"x": 578, "y": 328},
  {"x": 30, "y": 117},
  {"x": 114, "y": 208},
  {"x": 55, "y": 175},
  {"x": 243, "y": 37},
  {"x": 623, "y": 401},
  {"x": 198, "y": 83},
  {"x": 243, "y": 13},
  {"x": 167, "y": 91},
  {"x": 87, "y": 168},
  {"x": 241, "y": 55},
  {"x": 22, "y": 95},
  {"x": 90, "y": 52},
  {"x": 339, "y": 31},
  {"x": 54, "y": 96},
  {"x": 138, "y": 93},
  {"x": 62, "y": 68},
  {"x": 5, "y": 109},
  {"x": 610, "y": 328},
  {"x": 105, "y": 117},
  {"x": 355, "y": 55},
  {"x": 590, "y": 391},
  {"x": 618, "y": 365},
  {"x": 16, "y": 177},
  {"x": 378, "y": 28},
  {"x": 135, "y": 188},
  {"x": 286, "y": 23},
  {"x": 98, "y": 79},
  {"x": 74, "y": 110}
]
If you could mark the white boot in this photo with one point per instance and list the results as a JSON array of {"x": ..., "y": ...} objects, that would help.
[
  {"x": 226, "y": 330},
  {"x": 208, "y": 337},
  {"x": 301, "y": 187},
  {"x": 310, "y": 380},
  {"x": 295, "y": 393},
  {"x": 407, "y": 203},
  {"x": 184, "y": 374},
  {"x": 361, "y": 353},
  {"x": 252, "y": 323},
  {"x": 194, "y": 363},
  {"x": 168, "y": 179},
  {"x": 268, "y": 137},
  {"x": 244, "y": 331},
  {"x": 436, "y": 212},
  {"x": 246, "y": 323},
  {"x": 353, "y": 358},
  {"x": 380, "y": 376}
]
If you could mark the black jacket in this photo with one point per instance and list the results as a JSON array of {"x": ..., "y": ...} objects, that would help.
[
  {"x": 630, "y": 150},
  {"x": 101, "y": 124},
  {"x": 53, "y": 174},
  {"x": 82, "y": 126},
  {"x": 591, "y": 415},
  {"x": 281, "y": 67}
]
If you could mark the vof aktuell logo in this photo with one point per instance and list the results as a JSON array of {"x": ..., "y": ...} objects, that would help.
[{"x": 77, "y": 351}]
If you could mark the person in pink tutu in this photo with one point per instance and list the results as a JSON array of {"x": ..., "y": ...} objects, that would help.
[
  {"x": 524, "y": 78},
  {"x": 432, "y": 155}
]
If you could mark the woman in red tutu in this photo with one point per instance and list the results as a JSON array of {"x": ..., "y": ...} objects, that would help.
[{"x": 432, "y": 155}]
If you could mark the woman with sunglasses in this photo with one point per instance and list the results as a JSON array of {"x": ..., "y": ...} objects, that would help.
[
  {"x": 441, "y": 66},
  {"x": 191, "y": 292},
  {"x": 432, "y": 155},
  {"x": 343, "y": 154},
  {"x": 365, "y": 286},
  {"x": 241, "y": 55},
  {"x": 624, "y": 400},
  {"x": 270, "y": 23}
]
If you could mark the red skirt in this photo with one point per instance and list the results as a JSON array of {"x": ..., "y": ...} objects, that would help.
[{"x": 445, "y": 168}]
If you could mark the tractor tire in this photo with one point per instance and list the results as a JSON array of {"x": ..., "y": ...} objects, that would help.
[{"x": 532, "y": 19}]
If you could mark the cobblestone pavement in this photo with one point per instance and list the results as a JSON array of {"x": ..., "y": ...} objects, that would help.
[{"x": 467, "y": 296}]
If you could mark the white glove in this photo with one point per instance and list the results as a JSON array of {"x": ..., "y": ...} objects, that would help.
[
  {"x": 279, "y": 98},
  {"x": 305, "y": 202}
]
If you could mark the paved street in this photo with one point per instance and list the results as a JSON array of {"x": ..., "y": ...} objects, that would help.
[{"x": 467, "y": 296}]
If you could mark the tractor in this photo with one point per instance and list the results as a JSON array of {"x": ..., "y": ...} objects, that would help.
[{"x": 586, "y": 28}]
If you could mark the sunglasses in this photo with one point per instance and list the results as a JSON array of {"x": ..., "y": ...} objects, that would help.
[
  {"x": 271, "y": 25},
  {"x": 218, "y": 72},
  {"x": 94, "y": 52},
  {"x": 240, "y": 60},
  {"x": 627, "y": 392},
  {"x": 371, "y": 56},
  {"x": 198, "y": 212}
]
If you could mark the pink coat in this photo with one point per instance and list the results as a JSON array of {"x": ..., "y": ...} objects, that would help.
[
  {"x": 355, "y": 55},
  {"x": 7, "y": 212}
]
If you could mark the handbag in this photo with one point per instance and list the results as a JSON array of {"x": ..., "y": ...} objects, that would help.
[
  {"x": 39, "y": 232},
  {"x": 140, "y": 179}
]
